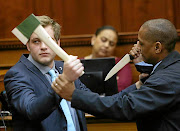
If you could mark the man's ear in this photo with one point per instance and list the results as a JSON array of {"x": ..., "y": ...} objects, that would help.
[
  {"x": 58, "y": 42},
  {"x": 27, "y": 45},
  {"x": 158, "y": 47},
  {"x": 93, "y": 40}
]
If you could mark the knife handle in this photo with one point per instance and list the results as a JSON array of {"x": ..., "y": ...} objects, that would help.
[{"x": 131, "y": 57}]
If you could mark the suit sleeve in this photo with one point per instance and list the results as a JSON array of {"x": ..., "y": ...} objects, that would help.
[
  {"x": 24, "y": 99},
  {"x": 81, "y": 86},
  {"x": 128, "y": 104},
  {"x": 100, "y": 106}
]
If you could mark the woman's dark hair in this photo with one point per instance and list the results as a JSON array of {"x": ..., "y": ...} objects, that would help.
[{"x": 106, "y": 27}]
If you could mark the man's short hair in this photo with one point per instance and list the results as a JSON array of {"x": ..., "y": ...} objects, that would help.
[
  {"x": 46, "y": 20},
  {"x": 161, "y": 30}
]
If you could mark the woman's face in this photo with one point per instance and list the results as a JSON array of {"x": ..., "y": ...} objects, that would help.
[{"x": 104, "y": 43}]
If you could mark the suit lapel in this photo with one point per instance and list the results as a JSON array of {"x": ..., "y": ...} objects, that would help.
[
  {"x": 34, "y": 69},
  {"x": 59, "y": 66},
  {"x": 82, "y": 119}
]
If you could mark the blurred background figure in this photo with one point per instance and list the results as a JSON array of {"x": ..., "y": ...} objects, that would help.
[{"x": 103, "y": 43}]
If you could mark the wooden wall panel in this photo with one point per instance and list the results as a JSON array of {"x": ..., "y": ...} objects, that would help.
[
  {"x": 112, "y": 14},
  {"x": 85, "y": 16},
  {"x": 135, "y": 12},
  {"x": 176, "y": 7},
  {"x": 11, "y": 14},
  {"x": 82, "y": 16},
  {"x": 52, "y": 8}
]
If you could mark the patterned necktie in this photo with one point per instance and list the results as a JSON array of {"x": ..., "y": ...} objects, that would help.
[{"x": 64, "y": 106}]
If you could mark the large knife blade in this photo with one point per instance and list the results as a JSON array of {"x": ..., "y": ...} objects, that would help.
[{"x": 125, "y": 60}]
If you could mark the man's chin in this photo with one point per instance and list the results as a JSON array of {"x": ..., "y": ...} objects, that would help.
[
  {"x": 144, "y": 60},
  {"x": 45, "y": 62}
]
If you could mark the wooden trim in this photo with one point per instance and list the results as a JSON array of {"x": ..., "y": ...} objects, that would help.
[
  {"x": 71, "y": 40},
  {"x": 66, "y": 41}
]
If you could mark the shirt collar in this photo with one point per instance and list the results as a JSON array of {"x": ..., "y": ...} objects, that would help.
[{"x": 156, "y": 66}]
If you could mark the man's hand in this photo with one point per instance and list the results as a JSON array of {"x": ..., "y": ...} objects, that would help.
[
  {"x": 136, "y": 53},
  {"x": 138, "y": 84},
  {"x": 142, "y": 76},
  {"x": 72, "y": 69},
  {"x": 63, "y": 87},
  {"x": 64, "y": 83}
]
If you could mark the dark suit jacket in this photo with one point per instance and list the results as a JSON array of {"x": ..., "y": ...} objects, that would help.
[
  {"x": 35, "y": 106},
  {"x": 155, "y": 106}
]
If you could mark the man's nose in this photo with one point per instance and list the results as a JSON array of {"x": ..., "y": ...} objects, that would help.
[
  {"x": 43, "y": 45},
  {"x": 106, "y": 44}
]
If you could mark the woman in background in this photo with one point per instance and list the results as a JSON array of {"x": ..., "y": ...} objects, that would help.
[{"x": 103, "y": 45}]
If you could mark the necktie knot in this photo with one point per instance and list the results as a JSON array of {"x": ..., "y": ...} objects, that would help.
[{"x": 53, "y": 75}]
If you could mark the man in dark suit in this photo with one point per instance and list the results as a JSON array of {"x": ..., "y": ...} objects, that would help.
[
  {"x": 34, "y": 104},
  {"x": 155, "y": 103}
]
